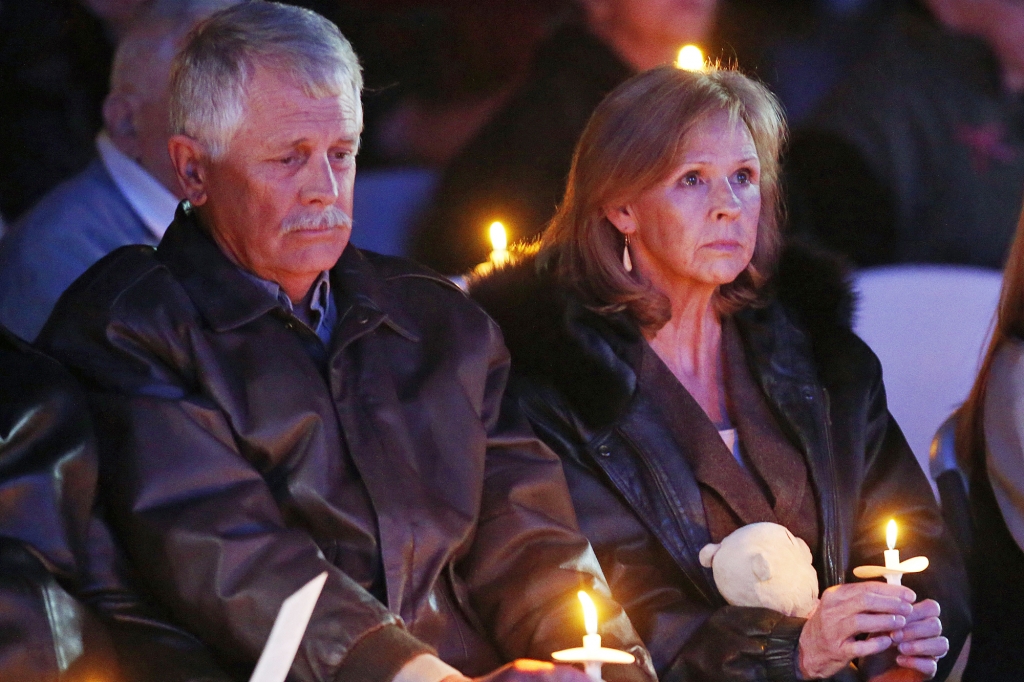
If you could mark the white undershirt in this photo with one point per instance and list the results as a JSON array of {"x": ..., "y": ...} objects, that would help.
[
  {"x": 732, "y": 441},
  {"x": 151, "y": 201}
]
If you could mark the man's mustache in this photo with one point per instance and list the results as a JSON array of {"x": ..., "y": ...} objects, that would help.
[{"x": 331, "y": 217}]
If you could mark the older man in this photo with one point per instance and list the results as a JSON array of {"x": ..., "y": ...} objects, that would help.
[
  {"x": 275, "y": 403},
  {"x": 127, "y": 195}
]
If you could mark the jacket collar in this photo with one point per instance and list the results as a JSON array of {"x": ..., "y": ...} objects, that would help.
[
  {"x": 227, "y": 299},
  {"x": 589, "y": 358}
]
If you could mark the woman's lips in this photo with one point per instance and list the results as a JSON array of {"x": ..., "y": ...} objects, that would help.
[{"x": 723, "y": 245}]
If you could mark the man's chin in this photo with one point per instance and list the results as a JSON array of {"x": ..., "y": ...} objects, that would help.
[{"x": 319, "y": 254}]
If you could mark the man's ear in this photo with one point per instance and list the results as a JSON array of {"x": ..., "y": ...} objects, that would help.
[
  {"x": 623, "y": 217},
  {"x": 189, "y": 158},
  {"x": 119, "y": 113}
]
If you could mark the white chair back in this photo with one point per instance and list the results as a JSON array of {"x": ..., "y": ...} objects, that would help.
[{"x": 929, "y": 325}]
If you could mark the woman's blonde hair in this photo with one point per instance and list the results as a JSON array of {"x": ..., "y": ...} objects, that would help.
[
  {"x": 632, "y": 142},
  {"x": 1009, "y": 324}
]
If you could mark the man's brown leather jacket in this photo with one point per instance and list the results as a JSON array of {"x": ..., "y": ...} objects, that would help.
[{"x": 222, "y": 443}]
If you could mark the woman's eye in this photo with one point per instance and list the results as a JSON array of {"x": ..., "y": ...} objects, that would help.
[
  {"x": 742, "y": 177},
  {"x": 691, "y": 179},
  {"x": 288, "y": 160}
]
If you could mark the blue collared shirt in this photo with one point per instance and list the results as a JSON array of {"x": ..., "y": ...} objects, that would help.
[{"x": 316, "y": 311}]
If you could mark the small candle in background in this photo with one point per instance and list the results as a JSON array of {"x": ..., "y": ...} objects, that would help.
[
  {"x": 499, "y": 243},
  {"x": 690, "y": 58}
]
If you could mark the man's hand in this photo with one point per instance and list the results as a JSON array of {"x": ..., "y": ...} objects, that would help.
[
  {"x": 828, "y": 642},
  {"x": 525, "y": 670},
  {"x": 920, "y": 643}
]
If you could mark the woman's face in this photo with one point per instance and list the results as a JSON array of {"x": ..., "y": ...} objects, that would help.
[{"x": 698, "y": 227}]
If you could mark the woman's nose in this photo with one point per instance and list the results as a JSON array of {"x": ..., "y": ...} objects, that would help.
[{"x": 725, "y": 203}]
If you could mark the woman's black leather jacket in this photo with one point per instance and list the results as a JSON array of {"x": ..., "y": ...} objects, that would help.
[{"x": 642, "y": 510}]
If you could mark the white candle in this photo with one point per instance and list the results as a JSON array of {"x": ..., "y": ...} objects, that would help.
[
  {"x": 892, "y": 555},
  {"x": 591, "y": 640},
  {"x": 592, "y": 655},
  {"x": 894, "y": 568}
]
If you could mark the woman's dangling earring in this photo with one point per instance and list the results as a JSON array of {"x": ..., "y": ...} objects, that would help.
[{"x": 627, "y": 262}]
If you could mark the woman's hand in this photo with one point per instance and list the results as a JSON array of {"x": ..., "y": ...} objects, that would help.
[
  {"x": 920, "y": 643},
  {"x": 828, "y": 642}
]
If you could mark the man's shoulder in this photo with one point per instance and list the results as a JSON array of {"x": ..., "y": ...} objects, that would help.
[
  {"x": 129, "y": 282},
  {"x": 433, "y": 300},
  {"x": 403, "y": 273},
  {"x": 86, "y": 211}
]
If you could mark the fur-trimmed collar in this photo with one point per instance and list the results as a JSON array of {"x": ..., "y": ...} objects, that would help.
[{"x": 589, "y": 358}]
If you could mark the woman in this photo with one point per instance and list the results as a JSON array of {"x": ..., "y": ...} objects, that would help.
[
  {"x": 686, "y": 401},
  {"x": 990, "y": 448}
]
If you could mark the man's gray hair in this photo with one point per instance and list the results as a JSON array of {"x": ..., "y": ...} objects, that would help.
[{"x": 210, "y": 76}]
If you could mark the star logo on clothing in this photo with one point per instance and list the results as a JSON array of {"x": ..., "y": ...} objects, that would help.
[{"x": 986, "y": 144}]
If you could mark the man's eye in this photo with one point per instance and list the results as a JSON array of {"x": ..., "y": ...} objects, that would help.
[
  {"x": 342, "y": 155},
  {"x": 691, "y": 179}
]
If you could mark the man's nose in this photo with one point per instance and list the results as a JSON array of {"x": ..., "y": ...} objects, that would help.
[
  {"x": 320, "y": 186},
  {"x": 725, "y": 204}
]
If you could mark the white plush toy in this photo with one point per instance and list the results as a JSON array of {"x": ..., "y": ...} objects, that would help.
[{"x": 763, "y": 564}]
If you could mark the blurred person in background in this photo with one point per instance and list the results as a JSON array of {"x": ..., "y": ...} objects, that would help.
[
  {"x": 514, "y": 169},
  {"x": 436, "y": 70},
  {"x": 918, "y": 156},
  {"x": 55, "y": 59},
  {"x": 815, "y": 45},
  {"x": 990, "y": 449},
  {"x": 126, "y": 195}
]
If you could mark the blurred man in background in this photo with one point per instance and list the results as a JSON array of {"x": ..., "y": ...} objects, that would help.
[
  {"x": 514, "y": 170},
  {"x": 127, "y": 195}
]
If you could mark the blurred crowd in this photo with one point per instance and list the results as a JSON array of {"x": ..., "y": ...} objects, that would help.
[{"x": 906, "y": 115}]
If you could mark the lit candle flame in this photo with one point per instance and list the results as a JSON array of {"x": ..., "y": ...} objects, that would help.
[
  {"x": 499, "y": 240},
  {"x": 890, "y": 534},
  {"x": 690, "y": 58},
  {"x": 589, "y": 612}
]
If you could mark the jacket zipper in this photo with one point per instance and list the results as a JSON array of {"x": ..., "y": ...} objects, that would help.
[{"x": 830, "y": 558}]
